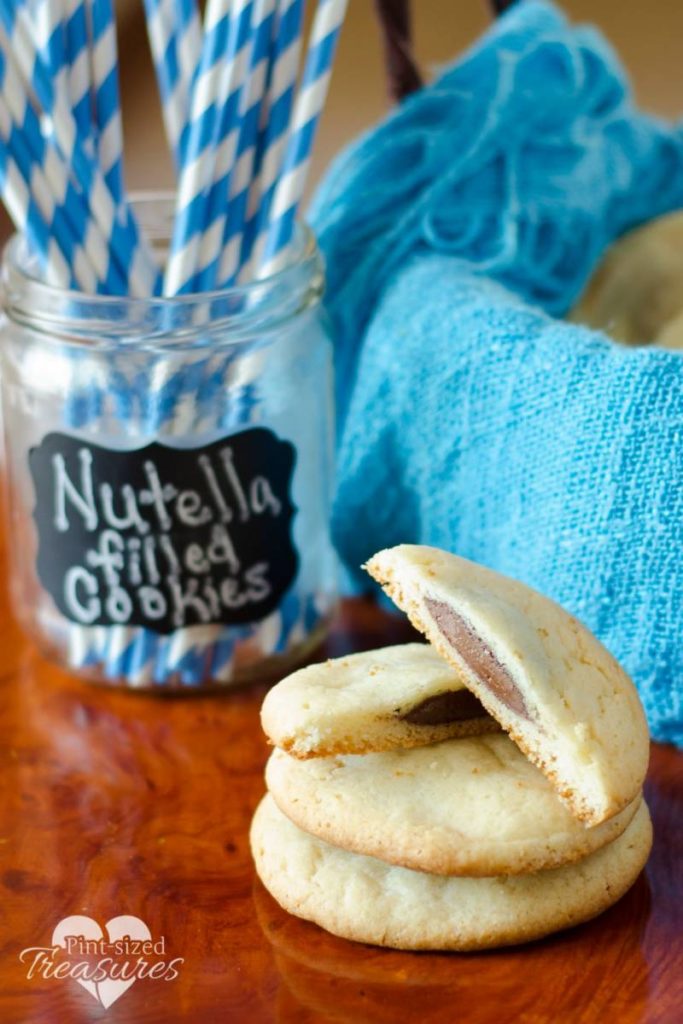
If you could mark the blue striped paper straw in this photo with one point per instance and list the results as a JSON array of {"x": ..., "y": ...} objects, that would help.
[
  {"x": 56, "y": 38},
  {"x": 188, "y": 45},
  {"x": 106, "y": 103},
  {"x": 24, "y": 211},
  {"x": 161, "y": 32},
  {"x": 60, "y": 246},
  {"x": 125, "y": 243},
  {"x": 198, "y": 653},
  {"x": 191, "y": 654},
  {"x": 182, "y": 392},
  {"x": 240, "y": 77},
  {"x": 63, "y": 207},
  {"x": 173, "y": 387},
  {"x": 275, "y": 633},
  {"x": 236, "y": 153},
  {"x": 58, "y": 203},
  {"x": 276, "y": 234},
  {"x": 186, "y": 653},
  {"x": 79, "y": 83},
  {"x": 237, "y": 104},
  {"x": 272, "y": 134},
  {"x": 50, "y": 28},
  {"x": 194, "y": 388},
  {"x": 178, "y": 389},
  {"x": 174, "y": 32},
  {"x": 215, "y": 98},
  {"x": 44, "y": 224},
  {"x": 62, "y": 44},
  {"x": 69, "y": 225}
]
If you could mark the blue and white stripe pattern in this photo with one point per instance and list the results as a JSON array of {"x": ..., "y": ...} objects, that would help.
[
  {"x": 126, "y": 253},
  {"x": 79, "y": 85},
  {"x": 62, "y": 38},
  {"x": 188, "y": 46},
  {"x": 273, "y": 130},
  {"x": 49, "y": 23},
  {"x": 49, "y": 179},
  {"x": 24, "y": 208},
  {"x": 191, "y": 656},
  {"x": 188, "y": 393},
  {"x": 236, "y": 182},
  {"x": 106, "y": 112},
  {"x": 209, "y": 153},
  {"x": 276, "y": 234},
  {"x": 106, "y": 102},
  {"x": 214, "y": 106},
  {"x": 174, "y": 31},
  {"x": 236, "y": 152}
]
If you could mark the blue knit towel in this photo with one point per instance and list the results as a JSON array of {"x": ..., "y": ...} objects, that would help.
[{"x": 470, "y": 417}]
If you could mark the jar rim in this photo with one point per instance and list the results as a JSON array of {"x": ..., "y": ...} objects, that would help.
[{"x": 46, "y": 307}]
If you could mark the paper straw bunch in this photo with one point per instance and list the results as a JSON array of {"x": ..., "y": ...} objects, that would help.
[
  {"x": 239, "y": 112},
  {"x": 245, "y": 144},
  {"x": 52, "y": 173},
  {"x": 242, "y": 92}
]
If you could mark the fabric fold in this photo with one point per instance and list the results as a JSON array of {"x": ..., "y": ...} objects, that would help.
[{"x": 470, "y": 418}]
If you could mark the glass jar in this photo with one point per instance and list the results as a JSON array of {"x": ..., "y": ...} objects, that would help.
[{"x": 169, "y": 471}]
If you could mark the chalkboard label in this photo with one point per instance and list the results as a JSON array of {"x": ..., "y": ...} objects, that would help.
[{"x": 165, "y": 537}]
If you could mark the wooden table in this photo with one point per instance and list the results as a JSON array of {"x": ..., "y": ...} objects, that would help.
[{"x": 115, "y": 803}]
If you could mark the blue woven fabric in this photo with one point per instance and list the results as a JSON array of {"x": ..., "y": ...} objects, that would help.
[{"x": 472, "y": 418}]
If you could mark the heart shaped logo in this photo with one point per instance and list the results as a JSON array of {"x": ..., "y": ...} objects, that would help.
[{"x": 107, "y": 990}]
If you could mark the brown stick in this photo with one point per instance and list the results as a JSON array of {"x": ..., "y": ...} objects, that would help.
[
  {"x": 402, "y": 71},
  {"x": 500, "y": 6}
]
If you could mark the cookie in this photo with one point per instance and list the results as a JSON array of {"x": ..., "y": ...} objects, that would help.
[
  {"x": 461, "y": 807},
  {"x": 401, "y": 696},
  {"x": 636, "y": 294},
  {"x": 364, "y": 899},
  {"x": 551, "y": 684}
]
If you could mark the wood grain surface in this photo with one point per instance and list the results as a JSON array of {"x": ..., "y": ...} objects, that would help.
[{"x": 114, "y": 803}]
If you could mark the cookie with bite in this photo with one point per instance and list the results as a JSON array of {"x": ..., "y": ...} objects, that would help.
[
  {"x": 394, "y": 697},
  {"x": 554, "y": 688}
]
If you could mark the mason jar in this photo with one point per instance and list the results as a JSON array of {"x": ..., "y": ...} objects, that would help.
[{"x": 168, "y": 465}]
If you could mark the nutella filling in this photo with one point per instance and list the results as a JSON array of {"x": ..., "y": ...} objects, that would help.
[
  {"x": 451, "y": 706},
  {"x": 477, "y": 656}
]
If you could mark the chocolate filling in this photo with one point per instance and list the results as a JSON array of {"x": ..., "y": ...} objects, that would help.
[
  {"x": 477, "y": 656},
  {"x": 451, "y": 706}
]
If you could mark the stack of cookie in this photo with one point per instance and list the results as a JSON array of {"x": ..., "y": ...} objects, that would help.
[{"x": 478, "y": 791}]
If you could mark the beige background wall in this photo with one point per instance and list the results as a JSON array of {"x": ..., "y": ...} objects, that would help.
[{"x": 648, "y": 35}]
